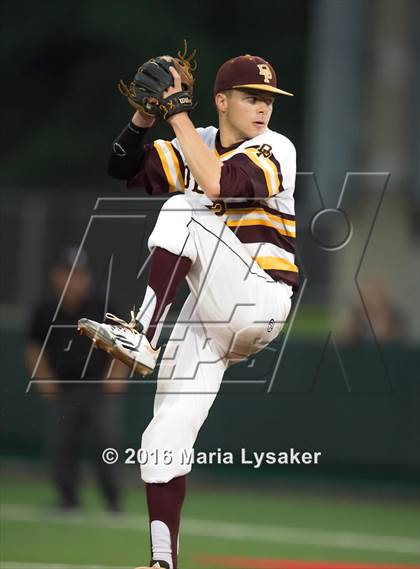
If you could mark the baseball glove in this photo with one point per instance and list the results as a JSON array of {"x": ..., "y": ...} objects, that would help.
[{"x": 153, "y": 78}]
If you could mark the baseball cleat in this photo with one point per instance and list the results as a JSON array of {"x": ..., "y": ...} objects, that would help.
[
  {"x": 123, "y": 341},
  {"x": 156, "y": 565}
]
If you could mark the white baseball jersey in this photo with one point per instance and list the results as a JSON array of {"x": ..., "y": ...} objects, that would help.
[{"x": 256, "y": 201}]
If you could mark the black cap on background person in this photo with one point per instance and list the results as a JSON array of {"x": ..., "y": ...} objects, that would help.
[{"x": 72, "y": 262}]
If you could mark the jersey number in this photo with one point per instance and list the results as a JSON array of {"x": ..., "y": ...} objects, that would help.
[{"x": 190, "y": 183}]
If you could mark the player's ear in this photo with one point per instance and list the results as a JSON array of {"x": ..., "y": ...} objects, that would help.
[{"x": 221, "y": 102}]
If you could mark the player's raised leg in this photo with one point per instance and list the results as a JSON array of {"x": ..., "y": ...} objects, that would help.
[
  {"x": 242, "y": 307},
  {"x": 136, "y": 343}
]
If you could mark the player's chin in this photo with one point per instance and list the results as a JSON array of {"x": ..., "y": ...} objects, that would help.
[{"x": 258, "y": 128}]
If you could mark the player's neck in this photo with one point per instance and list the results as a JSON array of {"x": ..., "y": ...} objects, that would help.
[{"x": 229, "y": 137}]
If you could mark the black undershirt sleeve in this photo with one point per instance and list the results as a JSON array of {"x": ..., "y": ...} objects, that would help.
[{"x": 127, "y": 152}]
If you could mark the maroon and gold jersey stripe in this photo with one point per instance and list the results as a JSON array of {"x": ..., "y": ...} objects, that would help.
[
  {"x": 289, "y": 277},
  {"x": 263, "y": 234},
  {"x": 170, "y": 164}
]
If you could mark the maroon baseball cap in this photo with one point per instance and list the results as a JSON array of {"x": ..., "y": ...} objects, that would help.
[{"x": 247, "y": 72}]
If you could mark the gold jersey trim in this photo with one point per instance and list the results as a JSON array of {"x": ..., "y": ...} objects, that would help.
[
  {"x": 259, "y": 216},
  {"x": 224, "y": 154},
  {"x": 170, "y": 164},
  {"x": 268, "y": 167},
  {"x": 275, "y": 263}
]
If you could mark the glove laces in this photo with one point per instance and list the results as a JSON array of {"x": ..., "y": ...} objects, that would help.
[{"x": 188, "y": 61}]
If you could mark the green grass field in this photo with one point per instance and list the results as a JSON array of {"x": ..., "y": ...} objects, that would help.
[{"x": 227, "y": 522}]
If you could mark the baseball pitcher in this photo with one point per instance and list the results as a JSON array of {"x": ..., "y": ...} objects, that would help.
[{"x": 227, "y": 228}]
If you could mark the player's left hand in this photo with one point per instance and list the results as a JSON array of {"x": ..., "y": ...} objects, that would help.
[{"x": 162, "y": 86}]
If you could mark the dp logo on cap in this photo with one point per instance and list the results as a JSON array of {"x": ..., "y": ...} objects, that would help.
[{"x": 265, "y": 71}]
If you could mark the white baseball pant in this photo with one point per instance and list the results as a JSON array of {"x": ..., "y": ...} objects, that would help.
[{"x": 234, "y": 310}]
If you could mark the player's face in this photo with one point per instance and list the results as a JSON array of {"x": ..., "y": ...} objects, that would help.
[{"x": 247, "y": 113}]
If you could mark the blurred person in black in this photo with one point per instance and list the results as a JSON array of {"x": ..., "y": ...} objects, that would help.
[
  {"x": 376, "y": 317},
  {"x": 84, "y": 390}
]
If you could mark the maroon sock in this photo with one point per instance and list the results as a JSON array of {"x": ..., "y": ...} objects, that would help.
[
  {"x": 164, "y": 502},
  {"x": 166, "y": 273}
]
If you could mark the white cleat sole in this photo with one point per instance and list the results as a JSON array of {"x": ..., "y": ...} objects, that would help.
[
  {"x": 103, "y": 340},
  {"x": 155, "y": 566}
]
